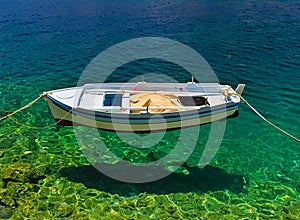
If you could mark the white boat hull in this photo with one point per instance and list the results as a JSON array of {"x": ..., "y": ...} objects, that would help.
[{"x": 66, "y": 113}]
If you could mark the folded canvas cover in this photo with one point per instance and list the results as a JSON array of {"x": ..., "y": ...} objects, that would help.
[{"x": 155, "y": 99}]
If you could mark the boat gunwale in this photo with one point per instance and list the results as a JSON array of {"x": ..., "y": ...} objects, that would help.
[{"x": 105, "y": 116}]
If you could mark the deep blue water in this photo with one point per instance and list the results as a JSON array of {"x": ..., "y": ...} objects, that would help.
[{"x": 47, "y": 44}]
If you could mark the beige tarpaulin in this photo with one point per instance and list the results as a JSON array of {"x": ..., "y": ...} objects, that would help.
[{"x": 155, "y": 100}]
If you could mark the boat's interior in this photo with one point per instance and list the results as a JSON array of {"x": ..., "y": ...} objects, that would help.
[
  {"x": 140, "y": 98},
  {"x": 148, "y": 102}
]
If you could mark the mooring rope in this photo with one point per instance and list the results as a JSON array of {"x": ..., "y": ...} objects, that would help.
[
  {"x": 9, "y": 116},
  {"x": 40, "y": 127},
  {"x": 266, "y": 120},
  {"x": 23, "y": 108}
]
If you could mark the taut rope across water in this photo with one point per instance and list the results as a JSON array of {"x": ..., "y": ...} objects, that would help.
[
  {"x": 23, "y": 108},
  {"x": 266, "y": 120},
  {"x": 9, "y": 116}
]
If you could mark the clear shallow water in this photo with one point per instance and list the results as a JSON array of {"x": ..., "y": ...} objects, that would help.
[{"x": 47, "y": 44}]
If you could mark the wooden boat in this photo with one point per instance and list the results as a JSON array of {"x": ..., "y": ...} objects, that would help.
[{"x": 143, "y": 107}]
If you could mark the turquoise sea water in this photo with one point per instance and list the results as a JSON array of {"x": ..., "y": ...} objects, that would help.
[{"x": 46, "y": 45}]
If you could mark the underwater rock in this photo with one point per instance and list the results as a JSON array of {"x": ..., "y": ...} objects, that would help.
[
  {"x": 246, "y": 208},
  {"x": 8, "y": 194},
  {"x": 212, "y": 204},
  {"x": 116, "y": 215},
  {"x": 223, "y": 196},
  {"x": 146, "y": 201},
  {"x": 16, "y": 172},
  {"x": 88, "y": 203},
  {"x": 19, "y": 179},
  {"x": 1, "y": 153},
  {"x": 70, "y": 198},
  {"x": 65, "y": 210},
  {"x": 170, "y": 208},
  {"x": 23, "y": 172},
  {"x": 6, "y": 212},
  {"x": 13, "y": 190},
  {"x": 7, "y": 198}
]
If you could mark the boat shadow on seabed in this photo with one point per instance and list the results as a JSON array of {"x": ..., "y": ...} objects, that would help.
[{"x": 204, "y": 179}]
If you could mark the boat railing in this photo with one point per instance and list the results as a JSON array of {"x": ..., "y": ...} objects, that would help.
[{"x": 103, "y": 91}]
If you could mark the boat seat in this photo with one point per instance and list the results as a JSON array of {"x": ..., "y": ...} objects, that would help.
[{"x": 126, "y": 102}]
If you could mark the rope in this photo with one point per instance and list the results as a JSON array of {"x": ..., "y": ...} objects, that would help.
[
  {"x": 23, "y": 108},
  {"x": 40, "y": 127},
  {"x": 9, "y": 116},
  {"x": 266, "y": 120}
]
